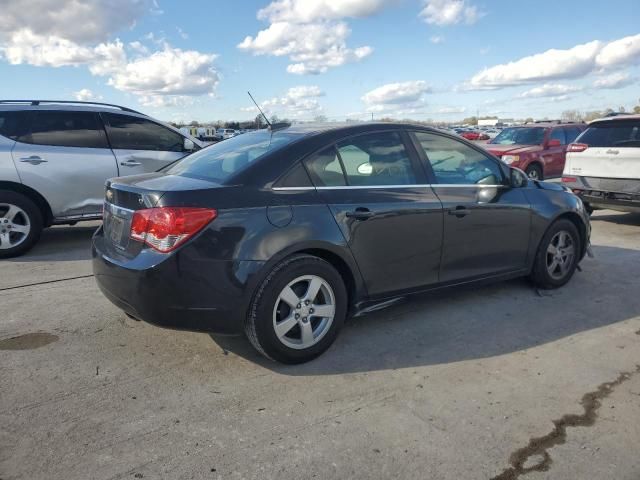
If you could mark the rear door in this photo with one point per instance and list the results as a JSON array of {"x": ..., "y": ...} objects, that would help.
[
  {"x": 554, "y": 156},
  {"x": 388, "y": 214},
  {"x": 64, "y": 155},
  {"x": 141, "y": 145},
  {"x": 486, "y": 222}
]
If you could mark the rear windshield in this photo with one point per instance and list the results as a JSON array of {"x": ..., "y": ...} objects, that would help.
[
  {"x": 616, "y": 133},
  {"x": 520, "y": 136},
  {"x": 224, "y": 159}
]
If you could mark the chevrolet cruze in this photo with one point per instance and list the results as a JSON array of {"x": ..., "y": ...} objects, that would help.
[{"x": 284, "y": 233}]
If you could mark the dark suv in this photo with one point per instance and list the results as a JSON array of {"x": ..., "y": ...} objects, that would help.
[{"x": 538, "y": 149}]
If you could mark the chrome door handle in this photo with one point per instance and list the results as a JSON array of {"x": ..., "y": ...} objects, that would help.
[
  {"x": 612, "y": 152},
  {"x": 130, "y": 163},
  {"x": 33, "y": 160},
  {"x": 360, "y": 214}
]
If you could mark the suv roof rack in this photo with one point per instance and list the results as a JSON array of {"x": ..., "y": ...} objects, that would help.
[{"x": 68, "y": 102}]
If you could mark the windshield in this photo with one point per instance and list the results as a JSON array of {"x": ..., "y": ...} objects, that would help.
[
  {"x": 616, "y": 133},
  {"x": 520, "y": 136},
  {"x": 221, "y": 160}
]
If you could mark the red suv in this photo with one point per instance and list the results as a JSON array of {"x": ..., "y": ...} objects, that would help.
[{"x": 539, "y": 149}]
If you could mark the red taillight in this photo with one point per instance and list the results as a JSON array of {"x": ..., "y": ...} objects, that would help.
[
  {"x": 165, "y": 228},
  {"x": 569, "y": 179},
  {"x": 577, "y": 147}
]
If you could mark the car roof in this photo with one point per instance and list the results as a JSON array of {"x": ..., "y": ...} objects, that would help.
[
  {"x": 349, "y": 127},
  {"x": 13, "y": 105},
  {"x": 548, "y": 125},
  {"x": 617, "y": 118}
]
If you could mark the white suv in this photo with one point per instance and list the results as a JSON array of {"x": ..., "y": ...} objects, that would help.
[
  {"x": 603, "y": 165},
  {"x": 56, "y": 156}
]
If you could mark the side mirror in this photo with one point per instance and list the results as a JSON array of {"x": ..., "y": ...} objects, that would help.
[
  {"x": 518, "y": 178},
  {"x": 188, "y": 145},
  {"x": 554, "y": 142}
]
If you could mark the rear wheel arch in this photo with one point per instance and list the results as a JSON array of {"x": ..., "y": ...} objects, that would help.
[{"x": 37, "y": 198}]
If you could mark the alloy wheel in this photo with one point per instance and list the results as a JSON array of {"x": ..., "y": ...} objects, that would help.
[
  {"x": 560, "y": 255},
  {"x": 14, "y": 226},
  {"x": 304, "y": 312}
]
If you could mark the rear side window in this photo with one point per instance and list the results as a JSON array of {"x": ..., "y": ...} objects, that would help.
[
  {"x": 376, "y": 159},
  {"x": 63, "y": 129},
  {"x": 617, "y": 133},
  {"x": 325, "y": 168},
  {"x": 558, "y": 134},
  {"x": 134, "y": 133}
]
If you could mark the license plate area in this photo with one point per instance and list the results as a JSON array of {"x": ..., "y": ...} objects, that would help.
[{"x": 117, "y": 222}]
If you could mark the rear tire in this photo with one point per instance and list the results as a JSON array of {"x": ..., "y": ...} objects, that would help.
[
  {"x": 558, "y": 255},
  {"x": 534, "y": 172},
  {"x": 21, "y": 224},
  {"x": 283, "y": 322}
]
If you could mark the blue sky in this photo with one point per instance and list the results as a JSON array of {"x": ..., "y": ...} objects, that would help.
[{"x": 439, "y": 59}]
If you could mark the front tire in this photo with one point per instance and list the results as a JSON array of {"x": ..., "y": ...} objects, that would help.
[
  {"x": 534, "y": 172},
  {"x": 20, "y": 224},
  {"x": 558, "y": 255},
  {"x": 298, "y": 310}
]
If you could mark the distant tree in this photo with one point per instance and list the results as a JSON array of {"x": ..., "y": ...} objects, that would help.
[
  {"x": 471, "y": 120},
  {"x": 571, "y": 116},
  {"x": 607, "y": 112},
  {"x": 274, "y": 119},
  {"x": 528, "y": 120},
  {"x": 194, "y": 123},
  {"x": 233, "y": 125},
  {"x": 621, "y": 109},
  {"x": 320, "y": 118},
  {"x": 259, "y": 121},
  {"x": 588, "y": 116}
]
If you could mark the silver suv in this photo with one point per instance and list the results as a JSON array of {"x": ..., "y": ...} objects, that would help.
[{"x": 56, "y": 156}]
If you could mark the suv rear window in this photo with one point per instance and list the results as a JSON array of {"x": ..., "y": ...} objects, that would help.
[
  {"x": 222, "y": 160},
  {"x": 12, "y": 123},
  {"x": 615, "y": 133}
]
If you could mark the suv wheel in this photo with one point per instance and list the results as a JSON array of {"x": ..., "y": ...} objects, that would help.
[
  {"x": 557, "y": 256},
  {"x": 298, "y": 310},
  {"x": 534, "y": 172},
  {"x": 20, "y": 224}
]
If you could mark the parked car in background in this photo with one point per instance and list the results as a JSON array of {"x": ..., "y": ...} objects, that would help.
[
  {"x": 603, "y": 166},
  {"x": 280, "y": 234},
  {"x": 537, "y": 149},
  {"x": 225, "y": 133},
  {"x": 56, "y": 156},
  {"x": 474, "y": 135}
]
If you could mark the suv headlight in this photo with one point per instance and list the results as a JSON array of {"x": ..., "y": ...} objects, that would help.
[{"x": 509, "y": 159}]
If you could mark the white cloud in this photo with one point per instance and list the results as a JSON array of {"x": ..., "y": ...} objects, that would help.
[
  {"x": 549, "y": 90},
  {"x": 78, "y": 21},
  {"x": 557, "y": 64},
  {"x": 69, "y": 38},
  {"x": 311, "y": 34},
  {"x": 163, "y": 101},
  {"x": 450, "y": 110},
  {"x": 401, "y": 97},
  {"x": 86, "y": 95},
  {"x": 436, "y": 39},
  {"x": 297, "y": 102},
  {"x": 615, "y": 80},
  {"x": 450, "y": 12}
]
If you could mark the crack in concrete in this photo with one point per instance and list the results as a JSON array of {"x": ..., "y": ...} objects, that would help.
[
  {"x": 539, "y": 446},
  {"x": 45, "y": 282}
]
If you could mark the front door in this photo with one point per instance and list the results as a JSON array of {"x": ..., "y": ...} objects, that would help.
[
  {"x": 390, "y": 218},
  {"x": 65, "y": 157},
  {"x": 486, "y": 222},
  {"x": 555, "y": 153},
  {"x": 140, "y": 145}
]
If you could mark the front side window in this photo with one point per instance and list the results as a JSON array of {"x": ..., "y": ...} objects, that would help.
[
  {"x": 127, "y": 132},
  {"x": 615, "y": 133},
  {"x": 558, "y": 134},
  {"x": 64, "y": 129},
  {"x": 224, "y": 159},
  {"x": 455, "y": 163},
  {"x": 520, "y": 136},
  {"x": 376, "y": 159}
]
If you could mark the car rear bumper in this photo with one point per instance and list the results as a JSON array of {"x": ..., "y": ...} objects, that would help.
[
  {"x": 182, "y": 291},
  {"x": 615, "y": 194}
]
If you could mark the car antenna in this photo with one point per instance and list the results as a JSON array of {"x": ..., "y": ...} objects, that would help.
[{"x": 259, "y": 109}]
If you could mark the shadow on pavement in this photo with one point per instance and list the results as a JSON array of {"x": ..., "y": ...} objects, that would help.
[
  {"x": 457, "y": 326},
  {"x": 618, "y": 218},
  {"x": 61, "y": 243}
]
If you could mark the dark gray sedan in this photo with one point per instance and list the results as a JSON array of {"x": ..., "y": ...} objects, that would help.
[{"x": 283, "y": 233}]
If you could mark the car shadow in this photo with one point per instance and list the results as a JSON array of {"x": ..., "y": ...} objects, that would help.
[
  {"x": 61, "y": 243},
  {"x": 470, "y": 324},
  {"x": 619, "y": 218}
]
